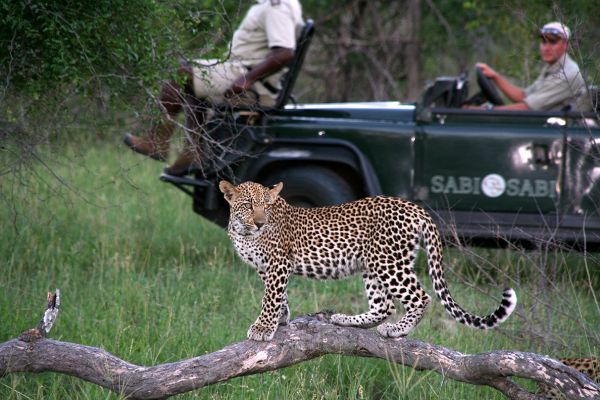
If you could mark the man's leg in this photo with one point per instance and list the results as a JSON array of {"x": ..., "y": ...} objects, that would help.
[
  {"x": 156, "y": 143},
  {"x": 191, "y": 155},
  {"x": 208, "y": 82}
]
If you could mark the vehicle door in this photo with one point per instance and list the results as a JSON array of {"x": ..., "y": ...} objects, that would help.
[{"x": 471, "y": 160}]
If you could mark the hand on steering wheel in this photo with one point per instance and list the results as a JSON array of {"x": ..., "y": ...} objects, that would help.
[{"x": 487, "y": 87}]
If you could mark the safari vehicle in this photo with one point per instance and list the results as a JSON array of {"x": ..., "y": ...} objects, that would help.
[{"x": 496, "y": 176}]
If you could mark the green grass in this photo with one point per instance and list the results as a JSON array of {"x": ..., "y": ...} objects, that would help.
[{"x": 145, "y": 278}]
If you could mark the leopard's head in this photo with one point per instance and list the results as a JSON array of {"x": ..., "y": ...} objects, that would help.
[{"x": 250, "y": 205}]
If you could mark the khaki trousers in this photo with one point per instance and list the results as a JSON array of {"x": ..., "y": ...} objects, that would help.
[{"x": 213, "y": 77}]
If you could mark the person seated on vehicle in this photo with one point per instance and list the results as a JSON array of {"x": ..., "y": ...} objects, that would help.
[
  {"x": 560, "y": 83},
  {"x": 261, "y": 47}
]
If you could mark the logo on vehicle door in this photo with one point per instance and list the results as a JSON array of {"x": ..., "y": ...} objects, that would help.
[{"x": 493, "y": 186}]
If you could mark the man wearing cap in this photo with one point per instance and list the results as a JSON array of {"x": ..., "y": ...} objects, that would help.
[
  {"x": 560, "y": 83},
  {"x": 260, "y": 49}
]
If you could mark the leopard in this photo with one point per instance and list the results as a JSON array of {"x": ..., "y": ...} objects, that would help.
[
  {"x": 589, "y": 366},
  {"x": 378, "y": 237}
]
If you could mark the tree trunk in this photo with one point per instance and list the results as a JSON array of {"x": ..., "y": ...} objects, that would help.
[
  {"x": 368, "y": 50},
  {"x": 413, "y": 50},
  {"x": 303, "y": 339}
]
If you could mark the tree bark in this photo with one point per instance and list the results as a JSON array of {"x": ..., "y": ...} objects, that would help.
[
  {"x": 303, "y": 339},
  {"x": 368, "y": 50},
  {"x": 413, "y": 51}
]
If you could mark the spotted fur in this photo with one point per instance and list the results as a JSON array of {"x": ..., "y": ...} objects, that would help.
[
  {"x": 588, "y": 366},
  {"x": 377, "y": 237}
]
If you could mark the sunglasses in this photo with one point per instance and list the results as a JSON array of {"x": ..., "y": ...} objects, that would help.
[
  {"x": 550, "y": 39},
  {"x": 551, "y": 35}
]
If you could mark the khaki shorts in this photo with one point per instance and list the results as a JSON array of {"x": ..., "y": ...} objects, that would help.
[{"x": 213, "y": 77}]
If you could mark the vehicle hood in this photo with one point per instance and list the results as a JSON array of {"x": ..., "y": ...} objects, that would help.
[{"x": 376, "y": 111}]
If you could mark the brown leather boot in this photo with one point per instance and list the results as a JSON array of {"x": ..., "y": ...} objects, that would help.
[
  {"x": 155, "y": 145},
  {"x": 187, "y": 161}
]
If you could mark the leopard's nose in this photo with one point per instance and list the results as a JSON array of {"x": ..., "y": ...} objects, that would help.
[{"x": 259, "y": 218}]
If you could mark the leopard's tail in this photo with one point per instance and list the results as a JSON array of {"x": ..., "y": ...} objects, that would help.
[{"x": 433, "y": 246}]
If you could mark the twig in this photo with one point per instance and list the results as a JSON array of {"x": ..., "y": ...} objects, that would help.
[{"x": 47, "y": 321}]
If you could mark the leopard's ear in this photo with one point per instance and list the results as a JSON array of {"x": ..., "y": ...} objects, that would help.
[
  {"x": 230, "y": 192},
  {"x": 274, "y": 191}
]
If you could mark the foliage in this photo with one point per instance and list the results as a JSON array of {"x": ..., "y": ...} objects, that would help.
[
  {"x": 101, "y": 49},
  {"x": 145, "y": 279},
  {"x": 504, "y": 34},
  {"x": 148, "y": 281},
  {"x": 48, "y": 44},
  {"x": 64, "y": 64}
]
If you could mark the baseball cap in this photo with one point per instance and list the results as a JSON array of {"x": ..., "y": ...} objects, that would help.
[{"x": 555, "y": 29}]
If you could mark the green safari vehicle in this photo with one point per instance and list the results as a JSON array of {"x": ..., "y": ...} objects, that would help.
[{"x": 485, "y": 176}]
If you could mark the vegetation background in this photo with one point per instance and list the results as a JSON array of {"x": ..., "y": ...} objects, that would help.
[{"x": 148, "y": 280}]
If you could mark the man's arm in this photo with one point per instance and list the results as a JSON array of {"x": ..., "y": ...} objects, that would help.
[
  {"x": 278, "y": 58},
  {"x": 515, "y": 94},
  {"x": 515, "y": 106}
]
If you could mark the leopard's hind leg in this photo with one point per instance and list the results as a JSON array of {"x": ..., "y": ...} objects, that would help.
[
  {"x": 402, "y": 282},
  {"x": 415, "y": 302},
  {"x": 380, "y": 301}
]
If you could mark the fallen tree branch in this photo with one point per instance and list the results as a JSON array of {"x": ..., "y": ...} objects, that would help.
[{"x": 303, "y": 339}]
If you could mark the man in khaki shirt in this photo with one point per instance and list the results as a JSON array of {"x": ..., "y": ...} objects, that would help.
[
  {"x": 559, "y": 84},
  {"x": 260, "y": 48}
]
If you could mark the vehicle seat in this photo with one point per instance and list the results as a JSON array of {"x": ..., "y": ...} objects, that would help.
[
  {"x": 446, "y": 91},
  {"x": 295, "y": 65}
]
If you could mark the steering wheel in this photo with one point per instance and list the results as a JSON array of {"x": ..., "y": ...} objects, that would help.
[{"x": 488, "y": 88}]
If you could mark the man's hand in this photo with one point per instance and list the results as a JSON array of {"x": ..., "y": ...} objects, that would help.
[
  {"x": 488, "y": 71},
  {"x": 238, "y": 86},
  {"x": 511, "y": 91},
  {"x": 278, "y": 58}
]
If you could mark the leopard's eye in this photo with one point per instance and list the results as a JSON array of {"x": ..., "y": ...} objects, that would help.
[
  {"x": 267, "y": 205},
  {"x": 247, "y": 206}
]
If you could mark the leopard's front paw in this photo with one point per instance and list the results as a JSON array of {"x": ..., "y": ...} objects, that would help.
[{"x": 261, "y": 332}]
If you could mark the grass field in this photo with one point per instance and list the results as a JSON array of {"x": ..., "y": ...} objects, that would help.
[{"x": 146, "y": 279}]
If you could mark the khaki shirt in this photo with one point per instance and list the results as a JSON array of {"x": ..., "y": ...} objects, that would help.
[
  {"x": 558, "y": 85},
  {"x": 269, "y": 23}
]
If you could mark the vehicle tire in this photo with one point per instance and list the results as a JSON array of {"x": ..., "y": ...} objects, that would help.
[{"x": 311, "y": 186}]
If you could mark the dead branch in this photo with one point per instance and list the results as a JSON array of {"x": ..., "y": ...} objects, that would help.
[{"x": 303, "y": 339}]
